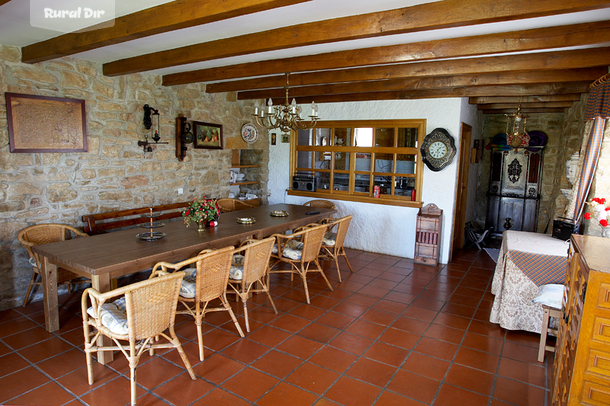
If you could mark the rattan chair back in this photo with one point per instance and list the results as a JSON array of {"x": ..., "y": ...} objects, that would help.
[
  {"x": 333, "y": 252},
  {"x": 228, "y": 205},
  {"x": 326, "y": 204},
  {"x": 312, "y": 238}
]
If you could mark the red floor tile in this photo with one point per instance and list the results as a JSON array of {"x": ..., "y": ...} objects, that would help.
[{"x": 453, "y": 396}]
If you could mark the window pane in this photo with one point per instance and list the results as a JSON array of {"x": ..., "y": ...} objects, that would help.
[
  {"x": 404, "y": 186},
  {"x": 343, "y": 137},
  {"x": 304, "y": 159},
  {"x": 363, "y": 184},
  {"x": 385, "y": 184},
  {"x": 305, "y": 137},
  {"x": 363, "y": 162},
  {"x": 363, "y": 137},
  {"x": 405, "y": 163},
  {"x": 342, "y": 161},
  {"x": 407, "y": 137},
  {"x": 384, "y": 137},
  {"x": 323, "y": 137},
  {"x": 322, "y": 180},
  {"x": 341, "y": 181},
  {"x": 384, "y": 162},
  {"x": 323, "y": 160}
]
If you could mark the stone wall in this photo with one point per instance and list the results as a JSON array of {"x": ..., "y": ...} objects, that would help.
[
  {"x": 114, "y": 173},
  {"x": 552, "y": 124}
]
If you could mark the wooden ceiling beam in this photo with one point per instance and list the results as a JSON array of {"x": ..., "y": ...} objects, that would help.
[
  {"x": 526, "y": 99},
  {"x": 504, "y": 106},
  {"x": 437, "y": 15},
  {"x": 167, "y": 17},
  {"x": 468, "y": 91},
  {"x": 516, "y": 41},
  {"x": 528, "y": 111},
  {"x": 439, "y": 82},
  {"x": 545, "y": 61}
]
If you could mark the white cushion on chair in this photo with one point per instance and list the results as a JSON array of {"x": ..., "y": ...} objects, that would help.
[
  {"x": 293, "y": 250},
  {"x": 329, "y": 239},
  {"x": 236, "y": 272},
  {"x": 113, "y": 316},
  {"x": 550, "y": 295},
  {"x": 187, "y": 288}
]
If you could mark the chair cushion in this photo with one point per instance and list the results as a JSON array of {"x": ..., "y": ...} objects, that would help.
[
  {"x": 292, "y": 250},
  {"x": 236, "y": 272},
  {"x": 329, "y": 239},
  {"x": 187, "y": 288},
  {"x": 113, "y": 316},
  {"x": 550, "y": 295}
]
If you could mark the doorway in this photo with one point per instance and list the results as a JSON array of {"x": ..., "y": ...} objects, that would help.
[{"x": 461, "y": 196}]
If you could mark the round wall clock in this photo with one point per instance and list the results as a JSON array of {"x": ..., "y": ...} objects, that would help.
[
  {"x": 438, "y": 149},
  {"x": 249, "y": 133}
]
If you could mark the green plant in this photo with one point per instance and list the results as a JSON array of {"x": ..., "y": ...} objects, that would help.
[{"x": 201, "y": 209}]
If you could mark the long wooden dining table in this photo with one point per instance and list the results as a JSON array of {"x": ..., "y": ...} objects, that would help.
[{"x": 107, "y": 256}]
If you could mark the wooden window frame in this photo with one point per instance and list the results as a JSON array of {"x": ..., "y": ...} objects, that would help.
[{"x": 351, "y": 194}]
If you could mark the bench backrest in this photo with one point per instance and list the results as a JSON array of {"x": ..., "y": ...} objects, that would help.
[{"x": 103, "y": 222}]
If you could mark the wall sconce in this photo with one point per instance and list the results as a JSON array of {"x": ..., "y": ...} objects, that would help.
[
  {"x": 184, "y": 136},
  {"x": 148, "y": 124}
]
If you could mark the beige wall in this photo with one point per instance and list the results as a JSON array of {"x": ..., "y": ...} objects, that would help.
[{"x": 115, "y": 173}]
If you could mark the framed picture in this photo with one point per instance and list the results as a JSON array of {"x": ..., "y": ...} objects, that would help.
[
  {"x": 45, "y": 124},
  {"x": 207, "y": 135}
]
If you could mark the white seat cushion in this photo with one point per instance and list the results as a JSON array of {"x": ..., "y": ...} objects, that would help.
[
  {"x": 550, "y": 295},
  {"x": 236, "y": 272},
  {"x": 113, "y": 316},
  {"x": 292, "y": 250},
  {"x": 329, "y": 239},
  {"x": 187, "y": 288}
]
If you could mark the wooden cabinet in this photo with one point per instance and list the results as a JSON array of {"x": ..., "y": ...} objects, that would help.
[
  {"x": 246, "y": 175},
  {"x": 514, "y": 189},
  {"x": 428, "y": 235},
  {"x": 581, "y": 372}
]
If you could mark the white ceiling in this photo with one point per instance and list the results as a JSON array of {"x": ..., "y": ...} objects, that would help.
[{"x": 15, "y": 29}]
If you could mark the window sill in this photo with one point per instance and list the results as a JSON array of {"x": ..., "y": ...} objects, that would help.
[{"x": 361, "y": 199}]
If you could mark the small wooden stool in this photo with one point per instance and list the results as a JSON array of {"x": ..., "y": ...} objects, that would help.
[{"x": 548, "y": 313}]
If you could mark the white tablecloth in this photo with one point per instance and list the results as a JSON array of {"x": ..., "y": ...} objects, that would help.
[{"x": 514, "y": 291}]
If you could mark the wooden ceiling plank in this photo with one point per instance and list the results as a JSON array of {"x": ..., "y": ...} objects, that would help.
[
  {"x": 544, "y": 61},
  {"x": 501, "y": 106},
  {"x": 443, "y": 14},
  {"x": 502, "y": 78},
  {"x": 526, "y": 40},
  {"x": 528, "y": 111},
  {"x": 468, "y": 91},
  {"x": 155, "y": 20},
  {"x": 526, "y": 99}
]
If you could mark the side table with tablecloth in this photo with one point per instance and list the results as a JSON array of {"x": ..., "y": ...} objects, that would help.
[{"x": 526, "y": 262}]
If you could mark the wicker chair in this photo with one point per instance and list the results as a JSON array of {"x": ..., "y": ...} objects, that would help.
[
  {"x": 249, "y": 275},
  {"x": 300, "y": 250},
  {"x": 44, "y": 234},
  {"x": 227, "y": 205},
  {"x": 142, "y": 314},
  {"x": 203, "y": 284},
  {"x": 332, "y": 245},
  {"x": 325, "y": 204}
]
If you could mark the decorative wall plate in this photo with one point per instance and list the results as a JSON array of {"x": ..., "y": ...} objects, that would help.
[{"x": 249, "y": 133}]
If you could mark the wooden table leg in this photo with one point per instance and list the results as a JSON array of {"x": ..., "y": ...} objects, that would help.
[
  {"x": 101, "y": 283},
  {"x": 49, "y": 295}
]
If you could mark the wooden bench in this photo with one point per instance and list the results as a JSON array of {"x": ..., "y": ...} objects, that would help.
[{"x": 104, "y": 222}]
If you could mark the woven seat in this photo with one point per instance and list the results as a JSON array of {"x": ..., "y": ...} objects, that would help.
[
  {"x": 203, "y": 284},
  {"x": 144, "y": 312},
  {"x": 44, "y": 234},
  {"x": 332, "y": 245},
  {"x": 228, "y": 205},
  {"x": 300, "y": 250},
  {"x": 254, "y": 256},
  {"x": 325, "y": 204}
]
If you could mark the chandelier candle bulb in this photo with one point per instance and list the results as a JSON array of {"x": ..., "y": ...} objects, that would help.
[{"x": 256, "y": 111}]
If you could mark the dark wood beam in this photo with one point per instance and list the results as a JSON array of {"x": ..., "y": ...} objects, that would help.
[
  {"x": 437, "y": 82},
  {"x": 155, "y": 20},
  {"x": 544, "y": 61},
  {"x": 526, "y": 99},
  {"x": 528, "y": 111},
  {"x": 442, "y": 14},
  {"x": 504, "y": 106},
  {"x": 527, "y": 40},
  {"x": 469, "y": 91}
]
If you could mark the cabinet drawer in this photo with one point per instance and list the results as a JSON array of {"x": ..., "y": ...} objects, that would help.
[
  {"x": 604, "y": 296},
  {"x": 599, "y": 363},
  {"x": 595, "y": 391},
  {"x": 601, "y": 329}
]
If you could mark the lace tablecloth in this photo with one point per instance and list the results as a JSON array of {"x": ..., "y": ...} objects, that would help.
[{"x": 526, "y": 262}]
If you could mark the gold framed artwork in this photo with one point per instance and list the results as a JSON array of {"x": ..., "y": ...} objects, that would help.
[
  {"x": 45, "y": 124},
  {"x": 207, "y": 135}
]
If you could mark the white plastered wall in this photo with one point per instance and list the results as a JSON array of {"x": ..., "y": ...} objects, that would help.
[{"x": 382, "y": 228}]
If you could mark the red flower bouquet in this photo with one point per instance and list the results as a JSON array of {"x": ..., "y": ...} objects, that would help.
[{"x": 600, "y": 211}]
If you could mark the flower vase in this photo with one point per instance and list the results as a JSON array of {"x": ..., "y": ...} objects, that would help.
[
  {"x": 606, "y": 232},
  {"x": 201, "y": 225}
]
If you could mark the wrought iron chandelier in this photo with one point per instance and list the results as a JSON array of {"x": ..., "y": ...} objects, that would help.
[{"x": 286, "y": 117}]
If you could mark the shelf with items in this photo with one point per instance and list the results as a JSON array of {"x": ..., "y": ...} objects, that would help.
[{"x": 246, "y": 176}]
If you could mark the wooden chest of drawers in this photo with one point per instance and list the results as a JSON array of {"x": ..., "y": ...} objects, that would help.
[{"x": 581, "y": 372}]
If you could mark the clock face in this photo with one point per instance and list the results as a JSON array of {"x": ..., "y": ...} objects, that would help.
[
  {"x": 438, "y": 149},
  {"x": 249, "y": 133}
]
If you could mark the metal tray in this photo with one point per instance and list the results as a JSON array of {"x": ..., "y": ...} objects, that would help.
[
  {"x": 246, "y": 220},
  {"x": 278, "y": 213}
]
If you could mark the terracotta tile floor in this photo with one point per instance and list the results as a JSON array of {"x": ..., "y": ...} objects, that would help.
[{"x": 392, "y": 333}]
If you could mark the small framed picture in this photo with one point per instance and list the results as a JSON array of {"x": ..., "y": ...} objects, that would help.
[
  {"x": 207, "y": 135},
  {"x": 285, "y": 138},
  {"x": 273, "y": 138}
]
